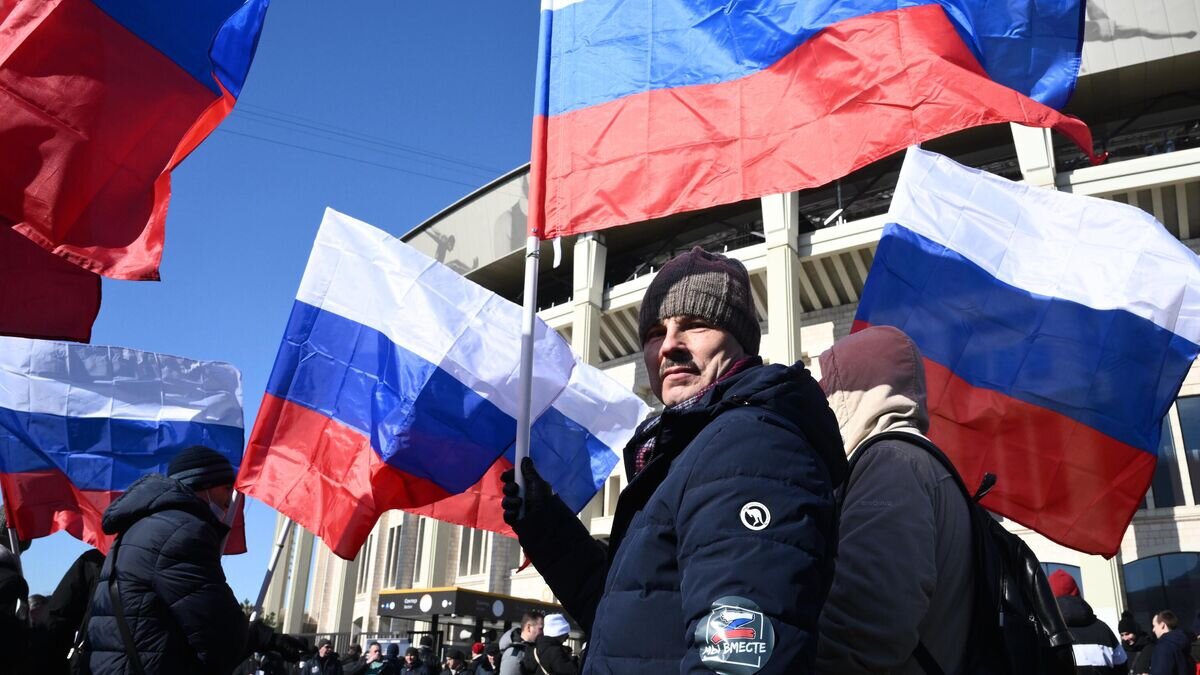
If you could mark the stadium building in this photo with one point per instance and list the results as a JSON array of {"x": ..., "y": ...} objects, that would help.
[{"x": 808, "y": 254}]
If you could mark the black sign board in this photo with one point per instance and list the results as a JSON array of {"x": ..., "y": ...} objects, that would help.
[{"x": 424, "y": 603}]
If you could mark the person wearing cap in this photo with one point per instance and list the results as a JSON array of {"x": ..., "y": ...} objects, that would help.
[
  {"x": 549, "y": 654},
  {"x": 412, "y": 664},
  {"x": 1138, "y": 645},
  {"x": 456, "y": 662},
  {"x": 175, "y": 611},
  {"x": 326, "y": 661},
  {"x": 1097, "y": 650},
  {"x": 722, "y": 547},
  {"x": 489, "y": 661}
]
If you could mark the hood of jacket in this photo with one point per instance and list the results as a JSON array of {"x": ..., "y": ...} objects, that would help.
[
  {"x": 875, "y": 381},
  {"x": 1075, "y": 611},
  {"x": 788, "y": 391},
  {"x": 1175, "y": 639},
  {"x": 151, "y": 494}
]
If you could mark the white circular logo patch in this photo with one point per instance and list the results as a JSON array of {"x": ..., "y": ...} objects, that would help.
[
  {"x": 755, "y": 516},
  {"x": 497, "y": 608},
  {"x": 426, "y": 603}
]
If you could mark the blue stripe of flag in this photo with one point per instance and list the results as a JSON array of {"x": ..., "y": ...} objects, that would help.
[
  {"x": 1108, "y": 369},
  {"x": 419, "y": 419},
  {"x": 101, "y": 453},
  {"x": 604, "y": 50}
]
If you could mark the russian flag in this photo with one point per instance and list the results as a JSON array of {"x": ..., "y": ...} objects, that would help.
[
  {"x": 395, "y": 387},
  {"x": 1056, "y": 331},
  {"x": 99, "y": 100},
  {"x": 42, "y": 295},
  {"x": 80, "y": 423},
  {"x": 644, "y": 109}
]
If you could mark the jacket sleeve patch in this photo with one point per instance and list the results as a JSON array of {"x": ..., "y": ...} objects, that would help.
[{"x": 735, "y": 638}]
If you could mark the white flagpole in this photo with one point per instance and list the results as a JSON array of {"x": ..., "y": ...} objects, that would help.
[
  {"x": 280, "y": 542},
  {"x": 528, "y": 321}
]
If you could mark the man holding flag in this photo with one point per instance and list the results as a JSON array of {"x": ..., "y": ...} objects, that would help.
[{"x": 727, "y": 529}]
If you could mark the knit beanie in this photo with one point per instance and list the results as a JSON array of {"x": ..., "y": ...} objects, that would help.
[
  {"x": 1127, "y": 624},
  {"x": 555, "y": 625},
  {"x": 705, "y": 285},
  {"x": 201, "y": 468},
  {"x": 1063, "y": 584}
]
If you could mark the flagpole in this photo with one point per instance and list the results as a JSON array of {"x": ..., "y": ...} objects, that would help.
[
  {"x": 525, "y": 390},
  {"x": 280, "y": 541}
]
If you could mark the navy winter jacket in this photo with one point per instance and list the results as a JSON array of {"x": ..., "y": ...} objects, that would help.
[
  {"x": 1172, "y": 654},
  {"x": 722, "y": 548},
  {"x": 183, "y": 616}
]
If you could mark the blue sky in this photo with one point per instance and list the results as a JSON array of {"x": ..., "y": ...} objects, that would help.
[{"x": 387, "y": 110}]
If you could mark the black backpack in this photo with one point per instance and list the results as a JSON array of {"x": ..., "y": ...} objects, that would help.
[{"x": 1016, "y": 628}]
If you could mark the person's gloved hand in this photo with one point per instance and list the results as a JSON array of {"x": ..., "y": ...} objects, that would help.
[
  {"x": 258, "y": 638},
  {"x": 291, "y": 648},
  {"x": 537, "y": 492}
]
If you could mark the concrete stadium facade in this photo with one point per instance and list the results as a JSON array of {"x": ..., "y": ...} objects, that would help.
[{"x": 808, "y": 254}]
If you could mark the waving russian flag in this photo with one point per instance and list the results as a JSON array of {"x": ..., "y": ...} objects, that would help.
[
  {"x": 395, "y": 387},
  {"x": 649, "y": 108},
  {"x": 80, "y": 423},
  {"x": 99, "y": 100},
  {"x": 1056, "y": 331}
]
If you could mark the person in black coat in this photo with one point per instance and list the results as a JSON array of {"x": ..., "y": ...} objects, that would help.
[
  {"x": 1097, "y": 651},
  {"x": 14, "y": 609},
  {"x": 181, "y": 615},
  {"x": 1138, "y": 645},
  {"x": 722, "y": 546},
  {"x": 549, "y": 655},
  {"x": 1172, "y": 653},
  {"x": 68, "y": 607}
]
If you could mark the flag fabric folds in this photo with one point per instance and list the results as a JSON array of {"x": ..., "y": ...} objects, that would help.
[
  {"x": 80, "y": 423},
  {"x": 42, "y": 295},
  {"x": 395, "y": 387},
  {"x": 644, "y": 109},
  {"x": 99, "y": 100},
  {"x": 1056, "y": 331}
]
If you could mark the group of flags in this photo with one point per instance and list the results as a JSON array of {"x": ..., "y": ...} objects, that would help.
[{"x": 1056, "y": 329}]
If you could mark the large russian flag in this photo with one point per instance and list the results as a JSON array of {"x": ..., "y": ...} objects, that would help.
[
  {"x": 42, "y": 295},
  {"x": 99, "y": 100},
  {"x": 80, "y": 423},
  {"x": 1056, "y": 331},
  {"x": 395, "y": 387},
  {"x": 644, "y": 109}
]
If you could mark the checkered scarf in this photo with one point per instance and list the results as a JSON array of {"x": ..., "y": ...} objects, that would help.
[{"x": 646, "y": 453}]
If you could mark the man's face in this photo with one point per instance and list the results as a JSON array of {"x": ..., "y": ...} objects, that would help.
[
  {"x": 531, "y": 630},
  {"x": 324, "y": 651},
  {"x": 1158, "y": 627},
  {"x": 491, "y": 660},
  {"x": 1127, "y": 638},
  {"x": 685, "y": 354},
  {"x": 373, "y": 653},
  {"x": 409, "y": 658}
]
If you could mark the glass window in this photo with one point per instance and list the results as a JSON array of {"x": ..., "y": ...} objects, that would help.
[
  {"x": 1170, "y": 581},
  {"x": 1189, "y": 424},
  {"x": 391, "y": 569},
  {"x": 473, "y": 552},
  {"x": 1073, "y": 570},
  {"x": 364, "y": 564},
  {"x": 419, "y": 577},
  {"x": 1168, "y": 490}
]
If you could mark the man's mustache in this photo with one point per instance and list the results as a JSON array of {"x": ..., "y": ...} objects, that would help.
[{"x": 669, "y": 363}]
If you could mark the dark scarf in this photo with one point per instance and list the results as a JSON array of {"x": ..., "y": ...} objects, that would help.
[{"x": 648, "y": 429}]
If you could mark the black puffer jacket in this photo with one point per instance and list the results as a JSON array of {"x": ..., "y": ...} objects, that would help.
[
  {"x": 730, "y": 529},
  {"x": 183, "y": 616}
]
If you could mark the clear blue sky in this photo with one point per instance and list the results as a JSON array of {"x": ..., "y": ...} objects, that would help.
[{"x": 387, "y": 110}]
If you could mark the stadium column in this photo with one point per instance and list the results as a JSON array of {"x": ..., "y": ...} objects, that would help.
[
  {"x": 297, "y": 589},
  {"x": 590, "y": 257},
  {"x": 1035, "y": 155},
  {"x": 781, "y": 227},
  {"x": 1103, "y": 587},
  {"x": 279, "y": 581},
  {"x": 342, "y": 599}
]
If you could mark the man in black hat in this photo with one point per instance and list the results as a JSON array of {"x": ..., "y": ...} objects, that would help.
[
  {"x": 456, "y": 662},
  {"x": 721, "y": 551},
  {"x": 173, "y": 611}
]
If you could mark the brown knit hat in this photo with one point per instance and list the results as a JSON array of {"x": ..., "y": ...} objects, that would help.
[{"x": 707, "y": 285}]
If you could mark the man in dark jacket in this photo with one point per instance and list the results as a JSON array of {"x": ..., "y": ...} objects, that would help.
[
  {"x": 722, "y": 546},
  {"x": 14, "y": 607},
  {"x": 324, "y": 662},
  {"x": 413, "y": 665},
  {"x": 179, "y": 613},
  {"x": 1138, "y": 645},
  {"x": 456, "y": 662},
  {"x": 1096, "y": 649},
  {"x": 1172, "y": 653},
  {"x": 905, "y": 525}
]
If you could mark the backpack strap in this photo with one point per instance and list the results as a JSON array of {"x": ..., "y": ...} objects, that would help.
[{"x": 114, "y": 595}]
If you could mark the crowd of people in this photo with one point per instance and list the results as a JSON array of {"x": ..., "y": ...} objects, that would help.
[{"x": 756, "y": 534}]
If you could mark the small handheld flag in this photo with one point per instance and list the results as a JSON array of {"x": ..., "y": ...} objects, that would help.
[{"x": 395, "y": 387}]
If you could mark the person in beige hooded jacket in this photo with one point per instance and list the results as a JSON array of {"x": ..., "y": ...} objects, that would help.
[{"x": 904, "y": 554}]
